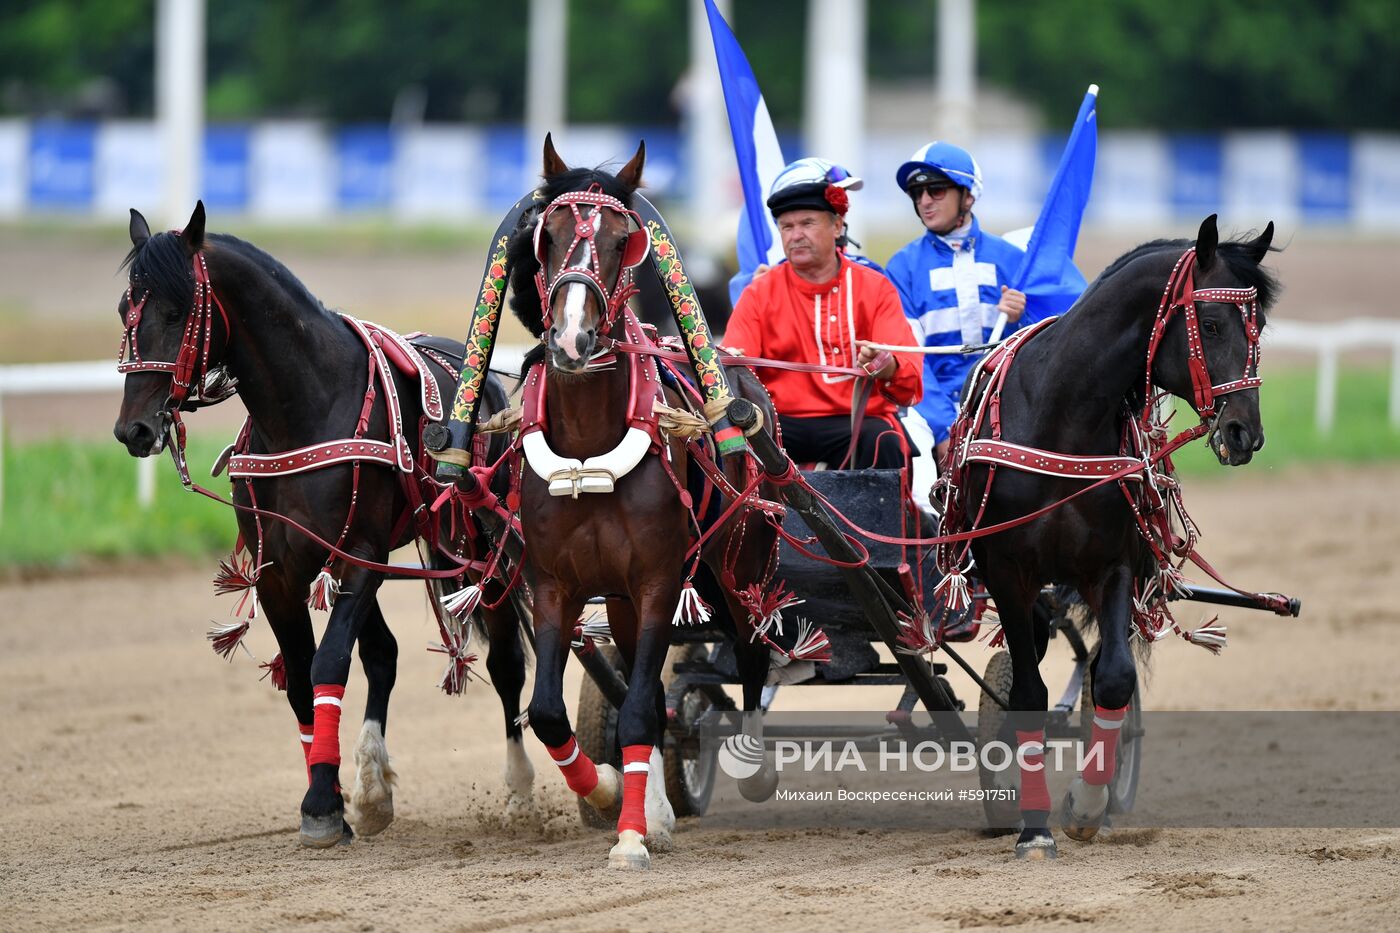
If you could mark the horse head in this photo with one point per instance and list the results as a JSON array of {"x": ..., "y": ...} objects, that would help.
[
  {"x": 170, "y": 346},
  {"x": 1209, "y": 341},
  {"x": 585, "y": 241}
]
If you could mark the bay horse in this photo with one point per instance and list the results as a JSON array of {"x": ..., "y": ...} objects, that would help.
[
  {"x": 199, "y": 310},
  {"x": 569, "y": 266},
  {"x": 1171, "y": 316}
]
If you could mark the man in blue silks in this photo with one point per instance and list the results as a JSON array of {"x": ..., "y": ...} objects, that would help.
[{"x": 954, "y": 279}]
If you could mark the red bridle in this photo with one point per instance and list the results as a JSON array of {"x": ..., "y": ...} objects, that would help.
[
  {"x": 589, "y": 271},
  {"x": 191, "y": 365},
  {"x": 1181, "y": 294}
]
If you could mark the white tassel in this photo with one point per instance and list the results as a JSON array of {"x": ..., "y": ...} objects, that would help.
[
  {"x": 324, "y": 589},
  {"x": 463, "y": 602},
  {"x": 1209, "y": 637},
  {"x": 691, "y": 609},
  {"x": 954, "y": 592}
]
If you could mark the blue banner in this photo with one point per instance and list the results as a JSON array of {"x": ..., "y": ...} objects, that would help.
[
  {"x": 365, "y": 179},
  {"x": 61, "y": 165},
  {"x": 224, "y": 179}
]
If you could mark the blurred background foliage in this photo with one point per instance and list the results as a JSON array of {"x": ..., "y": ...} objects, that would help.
[{"x": 1187, "y": 65}]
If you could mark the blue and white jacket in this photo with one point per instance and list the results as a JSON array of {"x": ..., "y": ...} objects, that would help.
[{"x": 950, "y": 287}]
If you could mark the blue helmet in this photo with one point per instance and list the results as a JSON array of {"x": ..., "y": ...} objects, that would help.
[{"x": 945, "y": 160}]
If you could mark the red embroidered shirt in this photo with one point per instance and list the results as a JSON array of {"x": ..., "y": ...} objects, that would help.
[{"x": 780, "y": 316}]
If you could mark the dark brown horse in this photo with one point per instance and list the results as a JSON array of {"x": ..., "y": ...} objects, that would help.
[
  {"x": 1170, "y": 316},
  {"x": 197, "y": 306},
  {"x": 569, "y": 272}
]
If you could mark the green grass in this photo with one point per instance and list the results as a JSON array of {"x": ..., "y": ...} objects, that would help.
[
  {"x": 1288, "y": 398},
  {"x": 66, "y": 501},
  {"x": 70, "y": 501}
]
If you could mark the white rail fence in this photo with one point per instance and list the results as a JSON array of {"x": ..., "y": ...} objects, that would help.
[{"x": 1328, "y": 341}]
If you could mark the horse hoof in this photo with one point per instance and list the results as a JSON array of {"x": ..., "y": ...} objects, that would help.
[
  {"x": 1036, "y": 845},
  {"x": 1082, "y": 824},
  {"x": 322, "y": 832},
  {"x": 371, "y": 804},
  {"x": 629, "y": 854},
  {"x": 762, "y": 786},
  {"x": 347, "y": 835},
  {"x": 372, "y": 817},
  {"x": 520, "y": 808},
  {"x": 608, "y": 794},
  {"x": 660, "y": 840}
]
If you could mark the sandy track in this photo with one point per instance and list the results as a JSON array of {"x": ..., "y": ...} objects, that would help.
[{"x": 147, "y": 784}]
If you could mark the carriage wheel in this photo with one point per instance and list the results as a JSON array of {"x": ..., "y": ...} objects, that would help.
[
  {"x": 1002, "y": 815},
  {"x": 1123, "y": 790},
  {"x": 595, "y": 727},
  {"x": 690, "y": 775}
]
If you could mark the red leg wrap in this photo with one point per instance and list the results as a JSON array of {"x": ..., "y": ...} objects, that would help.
[
  {"x": 1101, "y": 757},
  {"x": 325, "y": 740},
  {"x": 635, "y": 770},
  {"x": 307, "y": 734},
  {"x": 1035, "y": 793},
  {"x": 579, "y": 770}
]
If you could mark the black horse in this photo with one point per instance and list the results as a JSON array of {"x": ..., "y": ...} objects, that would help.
[
  {"x": 1076, "y": 388},
  {"x": 198, "y": 307}
]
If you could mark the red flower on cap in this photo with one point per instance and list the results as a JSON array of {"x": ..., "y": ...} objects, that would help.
[{"x": 838, "y": 199}]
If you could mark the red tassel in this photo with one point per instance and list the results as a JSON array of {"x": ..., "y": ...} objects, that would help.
[
  {"x": 237, "y": 575},
  {"x": 226, "y": 638},
  {"x": 324, "y": 589},
  {"x": 456, "y": 646},
  {"x": 766, "y": 608},
  {"x": 277, "y": 670}
]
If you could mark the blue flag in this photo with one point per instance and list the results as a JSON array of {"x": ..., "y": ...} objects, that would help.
[
  {"x": 1047, "y": 274},
  {"x": 756, "y": 150}
]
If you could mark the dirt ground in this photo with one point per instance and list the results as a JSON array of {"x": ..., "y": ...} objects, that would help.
[{"x": 149, "y": 785}]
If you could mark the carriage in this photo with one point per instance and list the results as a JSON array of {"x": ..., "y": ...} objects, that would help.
[
  {"x": 886, "y": 589},
  {"x": 320, "y": 517}
]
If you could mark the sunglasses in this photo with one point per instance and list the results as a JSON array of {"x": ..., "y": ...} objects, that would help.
[{"x": 935, "y": 190}]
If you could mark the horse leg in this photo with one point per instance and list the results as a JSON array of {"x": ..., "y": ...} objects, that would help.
[
  {"x": 1115, "y": 678},
  {"x": 505, "y": 662},
  {"x": 1029, "y": 699},
  {"x": 323, "y": 808},
  {"x": 660, "y": 815},
  {"x": 752, "y": 659},
  {"x": 372, "y": 802},
  {"x": 639, "y": 725},
  {"x": 599, "y": 785},
  {"x": 290, "y": 622}
]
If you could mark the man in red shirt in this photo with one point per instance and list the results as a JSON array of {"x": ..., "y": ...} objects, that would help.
[{"x": 814, "y": 308}]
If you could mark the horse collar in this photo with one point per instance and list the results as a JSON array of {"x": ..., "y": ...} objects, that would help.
[{"x": 569, "y": 476}]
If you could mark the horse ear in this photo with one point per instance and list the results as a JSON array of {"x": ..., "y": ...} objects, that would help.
[
  {"x": 140, "y": 230},
  {"x": 553, "y": 165},
  {"x": 1258, "y": 248},
  {"x": 1207, "y": 238},
  {"x": 631, "y": 174},
  {"x": 193, "y": 234}
]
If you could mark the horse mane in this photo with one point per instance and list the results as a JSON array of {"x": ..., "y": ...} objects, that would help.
[
  {"x": 162, "y": 264},
  {"x": 1236, "y": 254},
  {"x": 520, "y": 251}
]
